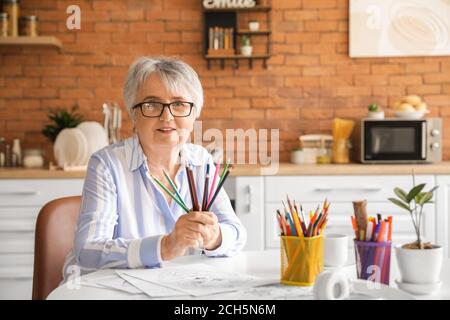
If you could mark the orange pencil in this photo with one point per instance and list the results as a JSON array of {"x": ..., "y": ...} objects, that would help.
[
  {"x": 381, "y": 231},
  {"x": 390, "y": 228}
]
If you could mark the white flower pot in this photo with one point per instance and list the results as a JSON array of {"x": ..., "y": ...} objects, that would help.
[
  {"x": 246, "y": 50},
  {"x": 375, "y": 115},
  {"x": 419, "y": 266}
]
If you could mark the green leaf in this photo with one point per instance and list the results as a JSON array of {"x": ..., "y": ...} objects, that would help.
[
  {"x": 414, "y": 192},
  {"x": 400, "y": 204},
  {"x": 433, "y": 189},
  {"x": 425, "y": 197},
  {"x": 401, "y": 194}
]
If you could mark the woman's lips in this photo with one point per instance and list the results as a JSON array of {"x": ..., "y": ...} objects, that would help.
[{"x": 166, "y": 130}]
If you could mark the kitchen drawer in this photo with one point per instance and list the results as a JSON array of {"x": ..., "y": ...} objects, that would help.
[
  {"x": 16, "y": 242},
  {"x": 18, "y": 218},
  {"x": 339, "y": 221},
  {"x": 16, "y": 289},
  {"x": 338, "y": 188},
  {"x": 8, "y": 260},
  {"x": 37, "y": 192}
]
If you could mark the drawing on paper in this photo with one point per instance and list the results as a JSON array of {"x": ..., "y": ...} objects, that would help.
[{"x": 394, "y": 28}]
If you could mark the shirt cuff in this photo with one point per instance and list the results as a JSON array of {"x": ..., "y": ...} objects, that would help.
[
  {"x": 228, "y": 239},
  {"x": 145, "y": 252}
]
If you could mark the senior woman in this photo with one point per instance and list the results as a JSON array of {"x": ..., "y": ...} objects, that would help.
[{"x": 126, "y": 220}]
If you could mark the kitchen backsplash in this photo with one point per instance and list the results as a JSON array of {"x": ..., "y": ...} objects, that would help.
[{"x": 310, "y": 78}]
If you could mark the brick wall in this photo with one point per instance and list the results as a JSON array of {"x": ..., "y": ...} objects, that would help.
[{"x": 310, "y": 79}]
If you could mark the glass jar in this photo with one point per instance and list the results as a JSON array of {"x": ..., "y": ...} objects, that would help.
[
  {"x": 3, "y": 24},
  {"x": 28, "y": 26},
  {"x": 11, "y": 7},
  {"x": 341, "y": 152},
  {"x": 33, "y": 158}
]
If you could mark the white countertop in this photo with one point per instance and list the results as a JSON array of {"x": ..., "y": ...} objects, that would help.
[{"x": 283, "y": 169}]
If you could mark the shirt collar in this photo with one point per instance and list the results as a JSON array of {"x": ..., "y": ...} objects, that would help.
[{"x": 136, "y": 157}]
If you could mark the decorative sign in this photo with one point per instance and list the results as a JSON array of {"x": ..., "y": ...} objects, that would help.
[{"x": 212, "y": 4}]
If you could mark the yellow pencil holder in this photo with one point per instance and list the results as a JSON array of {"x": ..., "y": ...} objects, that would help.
[{"x": 301, "y": 259}]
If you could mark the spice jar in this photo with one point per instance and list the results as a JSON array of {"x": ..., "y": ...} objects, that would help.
[
  {"x": 33, "y": 158},
  {"x": 3, "y": 24},
  {"x": 341, "y": 152},
  {"x": 28, "y": 26},
  {"x": 11, "y": 7}
]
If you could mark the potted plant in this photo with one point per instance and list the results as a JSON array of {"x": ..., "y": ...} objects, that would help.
[
  {"x": 375, "y": 112},
  {"x": 419, "y": 262},
  {"x": 246, "y": 48},
  {"x": 61, "y": 119}
]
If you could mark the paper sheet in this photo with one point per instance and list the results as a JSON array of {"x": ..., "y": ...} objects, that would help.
[
  {"x": 149, "y": 288},
  {"x": 197, "y": 279},
  {"x": 112, "y": 281},
  {"x": 271, "y": 292}
]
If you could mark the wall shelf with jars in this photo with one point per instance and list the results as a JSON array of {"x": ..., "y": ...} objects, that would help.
[
  {"x": 237, "y": 33},
  {"x": 21, "y": 30}
]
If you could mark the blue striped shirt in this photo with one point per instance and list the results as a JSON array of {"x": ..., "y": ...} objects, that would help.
[{"x": 124, "y": 214}]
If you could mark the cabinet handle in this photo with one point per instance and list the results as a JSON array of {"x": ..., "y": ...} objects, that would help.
[
  {"x": 360, "y": 188},
  {"x": 250, "y": 192},
  {"x": 19, "y": 193}
]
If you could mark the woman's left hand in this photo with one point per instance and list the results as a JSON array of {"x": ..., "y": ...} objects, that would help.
[{"x": 212, "y": 236}]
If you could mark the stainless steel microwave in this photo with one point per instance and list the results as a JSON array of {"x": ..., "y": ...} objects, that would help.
[{"x": 398, "y": 141}]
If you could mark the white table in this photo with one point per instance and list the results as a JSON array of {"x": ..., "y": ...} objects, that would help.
[{"x": 265, "y": 264}]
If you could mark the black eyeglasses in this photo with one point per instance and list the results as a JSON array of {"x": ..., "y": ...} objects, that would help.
[{"x": 153, "y": 109}]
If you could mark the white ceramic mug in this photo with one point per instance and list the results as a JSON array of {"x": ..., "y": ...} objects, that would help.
[{"x": 336, "y": 250}]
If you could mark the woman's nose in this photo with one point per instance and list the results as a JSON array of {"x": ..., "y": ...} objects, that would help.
[{"x": 166, "y": 115}]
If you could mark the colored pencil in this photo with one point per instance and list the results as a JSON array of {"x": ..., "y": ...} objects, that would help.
[
  {"x": 216, "y": 174},
  {"x": 192, "y": 189},
  {"x": 174, "y": 197},
  {"x": 173, "y": 187},
  {"x": 205, "y": 190},
  {"x": 222, "y": 181}
]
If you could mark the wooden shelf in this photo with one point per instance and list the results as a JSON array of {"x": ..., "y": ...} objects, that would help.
[
  {"x": 31, "y": 41},
  {"x": 255, "y": 8},
  {"x": 236, "y": 59},
  {"x": 239, "y": 56},
  {"x": 255, "y": 33},
  {"x": 216, "y": 33}
]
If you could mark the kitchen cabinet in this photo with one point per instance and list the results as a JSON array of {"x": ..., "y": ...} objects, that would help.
[
  {"x": 442, "y": 213},
  {"x": 246, "y": 194},
  {"x": 20, "y": 202}
]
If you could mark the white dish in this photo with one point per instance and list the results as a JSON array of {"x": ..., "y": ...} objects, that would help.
[
  {"x": 70, "y": 148},
  {"x": 96, "y": 137},
  {"x": 419, "y": 289},
  {"x": 410, "y": 114}
]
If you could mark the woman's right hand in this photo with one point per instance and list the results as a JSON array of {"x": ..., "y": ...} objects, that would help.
[{"x": 189, "y": 232}]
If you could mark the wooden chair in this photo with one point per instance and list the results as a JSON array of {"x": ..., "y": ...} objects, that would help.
[{"x": 55, "y": 232}]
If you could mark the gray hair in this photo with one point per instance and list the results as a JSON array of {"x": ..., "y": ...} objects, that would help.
[{"x": 177, "y": 76}]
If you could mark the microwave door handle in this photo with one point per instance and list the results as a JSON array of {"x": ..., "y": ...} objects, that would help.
[{"x": 424, "y": 140}]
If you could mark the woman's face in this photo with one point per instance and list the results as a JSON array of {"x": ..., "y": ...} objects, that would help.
[{"x": 165, "y": 130}]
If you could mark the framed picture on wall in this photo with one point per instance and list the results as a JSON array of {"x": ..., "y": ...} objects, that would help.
[{"x": 399, "y": 28}]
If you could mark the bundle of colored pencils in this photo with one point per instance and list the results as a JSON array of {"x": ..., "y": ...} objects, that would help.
[
  {"x": 292, "y": 222},
  {"x": 209, "y": 195},
  {"x": 377, "y": 229}
]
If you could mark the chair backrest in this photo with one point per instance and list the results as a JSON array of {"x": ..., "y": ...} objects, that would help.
[{"x": 55, "y": 232}]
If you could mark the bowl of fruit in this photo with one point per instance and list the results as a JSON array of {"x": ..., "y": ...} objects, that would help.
[{"x": 410, "y": 107}]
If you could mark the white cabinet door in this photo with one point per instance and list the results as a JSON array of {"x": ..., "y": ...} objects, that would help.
[
  {"x": 338, "y": 188},
  {"x": 443, "y": 212},
  {"x": 247, "y": 192}
]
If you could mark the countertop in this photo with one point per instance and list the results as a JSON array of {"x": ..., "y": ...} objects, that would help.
[{"x": 284, "y": 169}]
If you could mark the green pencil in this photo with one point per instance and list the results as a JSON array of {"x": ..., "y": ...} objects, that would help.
[
  {"x": 173, "y": 187},
  {"x": 170, "y": 194}
]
